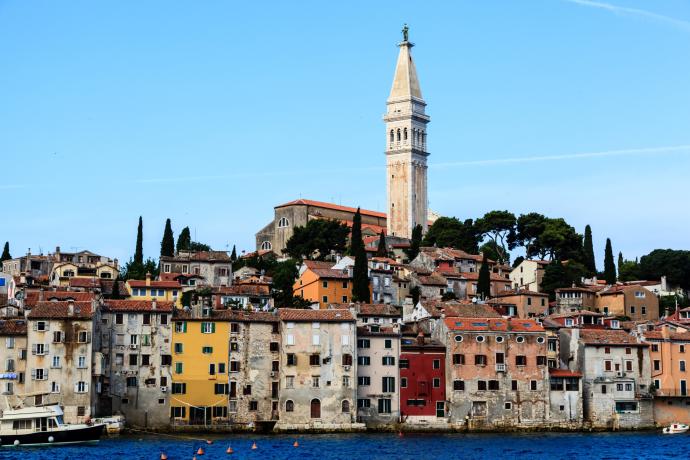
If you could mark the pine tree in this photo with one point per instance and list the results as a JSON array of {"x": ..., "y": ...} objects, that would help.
[
  {"x": 360, "y": 276},
  {"x": 233, "y": 256},
  {"x": 168, "y": 242},
  {"x": 382, "y": 250},
  {"x": 415, "y": 242},
  {"x": 6, "y": 252},
  {"x": 139, "y": 250},
  {"x": 609, "y": 266},
  {"x": 588, "y": 250},
  {"x": 184, "y": 240},
  {"x": 484, "y": 280}
]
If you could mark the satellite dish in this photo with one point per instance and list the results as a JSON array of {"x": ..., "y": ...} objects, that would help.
[{"x": 474, "y": 300}]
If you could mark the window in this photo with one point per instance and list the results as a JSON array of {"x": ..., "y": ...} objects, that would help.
[
  {"x": 324, "y": 299},
  {"x": 388, "y": 384},
  {"x": 212, "y": 369},
  {"x": 607, "y": 365},
  {"x": 291, "y": 359},
  {"x": 494, "y": 385},
  {"x": 521, "y": 360},
  {"x": 388, "y": 361},
  {"x": 388, "y": 343},
  {"x": 628, "y": 387},
  {"x": 178, "y": 368},
  {"x": 363, "y": 360},
  {"x": 283, "y": 222},
  {"x": 480, "y": 360},
  {"x": 178, "y": 347},
  {"x": 39, "y": 349},
  {"x": 436, "y": 383},
  {"x": 54, "y": 387},
  {"x": 146, "y": 319},
  {"x": 178, "y": 412},
  {"x": 572, "y": 384},
  {"x": 253, "y": 406},
  {"x": 629, "y": 366},
  {"x": 458, "y": 359},
  {"x": 81, "y": 387},
  {"x": 657, "y": 365},
  {"x": 681, "y": 364},
  {"x": 57, "y": 338},
  {"x": 519, "y": 339},
  {"x": 41, "y": 326},
  {"x": 499, "y": 339},
  {"x": 289, "y": 406},
  {"x": 314, "y": 360},
  {"x": 208, "y": 328},
  {"x": 315, "y": 380},
  {"x": 681, "y": 348},
  {"x": 207, "y": 350},
  {"x": 345, "y": 407},
  {"x": 436, "y": 364},
  {"x": 603, "y": 389},
  {"x": 404, "y": 364},
  {"x": 628, "y": 350},
  {"x": 533, "y": 385},
  {"x": 133, "y": 359},
  {"x": 315, "y": 339},
  {"x": 290, "y": 339},
  {"x": 385, "y": 406},
  {"x": 54, "y": 364},
  {"x": 363, "y": 381},
  {"x": 481, "y": 385},
  {"x": 81, "y": 362},
  {"x": 274, "y": 347},
  {"x": 458, "y": 338},
  {"x": 624, "y": 407},
  {"x": 179, "y": 388},
  {"x": 347, "y": 359},
  {"x": 363, "y": 403},
  {"x": 290, "y": 381},
  {"x": 234, "y": 366},
  {"x": 247, "y": 390},
  {"x": 458, "y": 385},
  {"x": 363, "y": 343},
  {"x": 541, "y": 360}
]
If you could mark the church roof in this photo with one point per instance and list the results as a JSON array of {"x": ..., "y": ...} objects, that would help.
[
  {"x": 405, "y": 81},
  {"x": 336, "y": 207}
]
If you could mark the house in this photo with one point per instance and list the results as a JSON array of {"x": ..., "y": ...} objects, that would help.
[
  {"x": 669, "y": 367},
  {"x": 318, "y": 387},
  {"x": 529, "y": 304},
  {"x": 447, "y": 259},
  {"x": 616, "y": 376},
  {"x": 565, "y": 398},
  {"x": 319, "y": 282},
  {"x": 167, "y": 291},
  {"x": 574, "y": 298},
  {"x": 528, "y": 274},
  {"x": 243, "y": 296},
  {"x": 497, "y": 372},
  {"x": 136, "y": 346},
  {"x": 214, "y": 268},
  {"x": 378, "y": 349},
  {"x": 634, "y": 302},
  {"x": 498, "y": 284},
  {"x": 62, "y": 366},
  {"x": 381, "y": 276},
  {"x": 422, "y": 380},
  {"x": 13, "y": 334}
]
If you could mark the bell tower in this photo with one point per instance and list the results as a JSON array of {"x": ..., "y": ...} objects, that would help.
[{"x": 406, "y": 147}]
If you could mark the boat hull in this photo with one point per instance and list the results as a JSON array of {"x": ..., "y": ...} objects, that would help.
[{"x": 57, "y": 437}]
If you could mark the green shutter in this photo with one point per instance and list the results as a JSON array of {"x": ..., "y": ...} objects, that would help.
[
  {"x": 184, "y": 326},
  {"x": 213, "y": 327},
  {"x": 202, "y": 327}
]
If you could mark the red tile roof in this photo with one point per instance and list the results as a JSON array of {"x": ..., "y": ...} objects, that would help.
[
  {"x": 297, "y": 315},
  {"x": 608, "y": 337},
  {"x": 88, "y": 283},
  {"x": 311, "y": 264},
  {"x": 370, "y": 309},
  {"x": 12, "y": 327},
  {"x": 564, "y": 373},
  {"x": 137, "y": 306},
  {"x": 474, "y": 276},
  {"x": 335, "y": 207},
  {"x": 243, "y": 289},
  {"x": 32, "y": 297},
  {"x": 432, "y": 280},
  {"x": 228, "y": 315},
  {"x": 210, "y": 256},
  {"x": 48, "y": 310},
  {"x": 493, "y": 324},
  {"x": 514, "y": 292},
  {"x": 330, "y": 273}
]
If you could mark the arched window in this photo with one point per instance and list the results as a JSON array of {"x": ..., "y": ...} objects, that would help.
[
  {"x": 289, "y": 406},
  {"x": 346, "y": 406},
  {"x": 392, "y": 136},
  {"x": 398, "y": 134},
  {"x": 266, "y": 246},
  {"x": 315, "y": 408},
  {"x": 405, "y": 134},
  {"x": 283, "y": 222}
]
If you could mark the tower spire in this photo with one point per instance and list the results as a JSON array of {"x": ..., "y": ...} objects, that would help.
[{"x": 405, "y": 81}]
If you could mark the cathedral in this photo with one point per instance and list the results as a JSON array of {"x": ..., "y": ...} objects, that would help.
[{"x": 406, "y": 170}]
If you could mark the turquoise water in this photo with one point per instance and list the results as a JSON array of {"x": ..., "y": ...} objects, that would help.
[{"x": 646, "y": 445}]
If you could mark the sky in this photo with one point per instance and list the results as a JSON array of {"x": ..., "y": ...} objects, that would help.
[{"x": 211, "y": 113}]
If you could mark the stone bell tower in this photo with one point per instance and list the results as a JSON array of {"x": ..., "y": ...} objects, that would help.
[{"x": 406, "y": 150}]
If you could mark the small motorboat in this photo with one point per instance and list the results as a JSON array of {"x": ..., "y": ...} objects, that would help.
[
  {"x": 113, "y": 425},
  {"x": 38, "y": 426},
  {"x": 676, "y": 428}
]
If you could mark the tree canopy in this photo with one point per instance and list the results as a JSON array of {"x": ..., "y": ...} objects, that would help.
[
  {"x": 5, "y": 252},
  {"x": 415, "y": 242},
  {"x": 559, "y": 274},
  {"x": 673, "y": 264},
  {"x": 484, "y": 280},
  {"x": 609, "y": 265},
  {"x": 360, "y": 275},
  {"x": 450, "y": 232},
  {"x": 528, "y": 228},
  {"x": 184, "y": 240},
  {"x": 382, "y": 250},
  {"x": 588, "y": 258},
  {"x": 284, "y": 275},
  {"x": 499, "y": 227},
  {"x": 139, "y": 249},
  {"x": 317, "y": 239}
]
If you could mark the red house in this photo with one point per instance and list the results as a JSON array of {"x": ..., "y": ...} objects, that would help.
[{"x": 422, "y": 379}]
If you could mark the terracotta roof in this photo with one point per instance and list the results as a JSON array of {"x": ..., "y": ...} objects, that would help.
[
  {"x": 451, "y": 254},
  {"x": 154, "y": 284},
  {"x": 208, "y": 256},
  {"x": 493, "y": 324},
  {"x": 576, "y": 289},
  {"x": 330, "y": 273},
  {"x": 12, "y": 327},
  {"x": 370, "y": 309},
  {"x": 259, "y": 253},
  {"x": 243, "y": 289},
  {"x": 32, "y": 297},
  {"x": 294, "y": 314},
  {"x": 228, "y": 315},
  {"x": 474, "y": 276},
  {"x": 364, "y": 331},
  {"x": 515, "y": 292},
  {"x": 48, "y": 310},
  {"x": 564, "y": 373},
  {"x": 137, "y": 306},
  {"x": 336, "y": 207},
  {"x": 88, "y": 283},
  {"x": 608, "y": 337},
  {"x": 311, "y": 264},
  {"x": 432, "y": 280},
  {"x": 658, "y": 335}
]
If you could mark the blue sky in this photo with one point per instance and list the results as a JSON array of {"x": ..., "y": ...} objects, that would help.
[{"x": 211, "y": 113}]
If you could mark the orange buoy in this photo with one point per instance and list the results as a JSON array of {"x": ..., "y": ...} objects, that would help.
[
  {"x": 194, "y": 458},
  {"x": 229, "y": 451},
  {"x": 200, "y": 451},
  {"x": 163, "y": 456},
  {"x": 400, "y": 433},
  {"x": 295, "y": 444},
  {"x": 254, "y": 446}
]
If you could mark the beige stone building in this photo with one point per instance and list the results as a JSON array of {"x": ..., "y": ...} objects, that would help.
[
  {"x": 213, "y": 268},
  {"x": 634, "y": 302},
  {"x": 13, "y": 349},
  {"x": 318, "y": 375}
]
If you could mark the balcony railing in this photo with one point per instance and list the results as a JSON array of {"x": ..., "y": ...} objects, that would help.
[{"x": 500, "y": 367}]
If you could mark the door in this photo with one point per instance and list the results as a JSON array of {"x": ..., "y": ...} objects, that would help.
[
  {"x": 315, "y": 408},
  {"x": 683, "y": 388},
  {"x": 500, "y": 358},
  {"x": 440, "y": 409},
  {"x": 199, "y": 415}
]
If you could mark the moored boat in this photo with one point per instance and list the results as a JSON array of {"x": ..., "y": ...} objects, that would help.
[
  {"x": 43, "y": 425},
  {"x": 676, "y": 428},
  {"x": 113, "y": 425}
]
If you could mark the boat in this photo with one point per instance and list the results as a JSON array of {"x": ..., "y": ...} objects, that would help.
[
  {"x": 43, "y": 425},
  {"x": 113, "y": 425},
  {"x": 676, "y": 428}
]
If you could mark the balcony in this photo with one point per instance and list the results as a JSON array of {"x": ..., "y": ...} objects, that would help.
[{"x": 500, "y": 367}]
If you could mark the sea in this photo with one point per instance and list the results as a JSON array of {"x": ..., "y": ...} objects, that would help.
[{"x": 571, "y": 446}]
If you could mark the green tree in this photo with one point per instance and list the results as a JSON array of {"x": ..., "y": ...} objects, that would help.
[
  {"x": 139, "y": 249},
  {"x": 559, "y": 241},
  {"x": 115, "y": 292},
  {"x": 317, "y": 239},
  {"x": 673, "y": 264},
  {"x": 416, "y": 294},
  {"x": 492, "y": 251},
  {"x": 168, "y": 242},
  {"x": 628, "y": 270},
  {"x": 528, "y": 228},
  {"x": 484, "y": 280},
  {"x": 233, "y": 255},
  {"x": 5, "y": 252},
  {"x": 450, "y": 232},
  {"x": 415, "y": 242},
  {"x": 620, "y": 262},
  {"x": 609, "y": 265},
  {"x": 555, "y": 276},
  {"x": 198, "y": 247},
  {"x": 499, "y": 227},
  {"x": 518, "y": 260},
  {"x": 184, "y": 240},
  {"x": 284, "y": 275},
  {"x": 382, "y": 250},
  {"x": 360, "y": 275},
  {"x": 588, "y": 252}
]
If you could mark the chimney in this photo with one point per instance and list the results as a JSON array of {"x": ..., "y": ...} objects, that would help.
[
  {"x": 153, "y": 304},
  {"x": 665, "y": 332},
  {"x": 420, "y": 338},
  {"x": 148, "y": 278},
  {"x": 40, "y": 295},
  {"x": 70, "y": 308},
  {"x": 664, "y": 286}
]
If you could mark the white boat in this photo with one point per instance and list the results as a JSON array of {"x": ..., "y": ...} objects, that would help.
[
  {"x": 43, "y": 425},
  {"x": 676, "y": 428},
  {"x": 113, "y": 425}
]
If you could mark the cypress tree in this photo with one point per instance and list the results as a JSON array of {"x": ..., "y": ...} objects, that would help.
[
  {"x": 609, "y": 265},
  {"x": 139, "y": 250},
  {"x": 233, "y": 256},
  {"x": 620, "y": 262},
  {"x": 360, "y": 276},
  {"x": 484, "y": 280},
  {"x": 168, "y": 242},
  {"x": 382, "y": 251},
  {"x": 5, "y": 252},
  {"x": 415, "y": 242},
  {"x": 184, "y": 240},
  {"x": 588, "y": 250}
]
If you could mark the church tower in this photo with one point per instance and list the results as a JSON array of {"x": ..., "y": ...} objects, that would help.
[{"x": 406, "y": 151}]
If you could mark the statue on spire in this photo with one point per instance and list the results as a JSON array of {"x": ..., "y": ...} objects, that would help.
[{"x": 405, "y": 32}]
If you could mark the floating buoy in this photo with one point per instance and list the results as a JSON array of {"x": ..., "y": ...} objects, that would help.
[
  {"x": 194, "y": 458},
  {"x": 164, "y": 457},
  {"x": 200, "y": 451},
  {"x": 295, "y": 444},
  {"x": 254, "y": 446},
  {"x": 16, "y": 442},
  {"x": 209, "y": 442},
  {"x": 229, "y": 451},
  {"x": 400, "y": 433}
]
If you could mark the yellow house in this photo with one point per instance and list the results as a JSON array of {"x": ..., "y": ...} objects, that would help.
[
  {"x": 169, "y": 291},
  {"x": 200, "y": 347}
]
